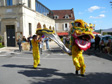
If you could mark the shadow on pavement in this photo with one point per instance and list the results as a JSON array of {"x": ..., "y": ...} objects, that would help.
[
  {"x": 92, "y": 52},
  {"x": 92, "y": 78},
  {"x": 18, "y": 66},
  {"x": 52, "y": 76},
  {"x": 55, "y": 50}
]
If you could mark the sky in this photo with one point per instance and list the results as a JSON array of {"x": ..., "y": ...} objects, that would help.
[{"x": 98, "y": 12}]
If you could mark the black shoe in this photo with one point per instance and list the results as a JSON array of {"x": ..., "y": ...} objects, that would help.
[
  {"x": 35, "y": 67},
  {"x": 39, "y": 64},
  {"x": 82, "y": 75},
  {"x": 76, "y": 72}
]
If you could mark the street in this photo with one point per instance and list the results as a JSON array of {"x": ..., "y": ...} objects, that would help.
[{"x": 56, "y": 68}]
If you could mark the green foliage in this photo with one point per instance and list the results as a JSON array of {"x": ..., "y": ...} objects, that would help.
[
  {"x": 0, "y": 38},
  {"x": 1, "y": 45},
  {"x": 104, "y": 33}
]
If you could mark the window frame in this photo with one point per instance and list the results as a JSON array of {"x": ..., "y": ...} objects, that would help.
[
  {"x": 9, "y": 2},
  {"x": 66, "y": 26},
  {"x": 56, "y": 26},
  {"x": 29, "y": 3},
  {"x": 30, "y": 28},
  {"x": 66, "y": 16}
]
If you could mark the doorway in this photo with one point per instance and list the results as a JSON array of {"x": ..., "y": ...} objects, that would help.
[{"x": 10, "y": 29}]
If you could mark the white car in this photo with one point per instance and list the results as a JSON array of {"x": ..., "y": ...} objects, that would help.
[{"x": 105, "y": 38}]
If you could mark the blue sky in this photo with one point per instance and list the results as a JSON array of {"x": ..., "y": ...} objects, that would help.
[{"x": 98, "y": 12}]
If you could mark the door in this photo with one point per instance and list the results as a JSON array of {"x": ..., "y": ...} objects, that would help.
[{"x": 10, "y": 29}]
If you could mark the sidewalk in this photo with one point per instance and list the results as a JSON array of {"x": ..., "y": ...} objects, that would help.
[
  {"x": 8, "y": 49},
  {"x": 52, "y": 45}
]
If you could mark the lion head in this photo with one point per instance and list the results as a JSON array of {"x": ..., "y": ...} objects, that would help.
[{"x": 82, "y": 34}]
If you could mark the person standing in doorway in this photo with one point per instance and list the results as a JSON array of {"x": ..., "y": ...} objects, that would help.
[{"x": 36, "y": 54}]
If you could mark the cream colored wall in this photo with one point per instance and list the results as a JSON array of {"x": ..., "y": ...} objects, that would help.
[
  {"x": 34, "y": 18},
  {"x": 61, "y": 24},
  {"x": 20, "y": 17},
  {"x": 17, "y": 2},
  {"x": 10, "y": 16}
]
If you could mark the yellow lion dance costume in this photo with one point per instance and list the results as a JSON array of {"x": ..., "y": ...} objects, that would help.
[{"x": 81, "y": 34}]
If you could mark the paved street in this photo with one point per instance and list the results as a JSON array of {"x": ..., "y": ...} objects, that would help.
[{"x": 56, "y": 68}]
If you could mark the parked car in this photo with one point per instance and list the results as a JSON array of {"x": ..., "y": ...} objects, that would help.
[{"x": 105, "y": 38}]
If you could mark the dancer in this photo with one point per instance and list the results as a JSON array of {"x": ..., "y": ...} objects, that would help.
[
  {"x": 81, "y": 34},
  {"x": 35, "y": 49}
]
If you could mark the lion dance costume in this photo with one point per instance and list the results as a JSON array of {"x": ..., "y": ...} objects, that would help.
[
  {"x": 81, "y": 34},
  {"x": 36, "y": 54}
]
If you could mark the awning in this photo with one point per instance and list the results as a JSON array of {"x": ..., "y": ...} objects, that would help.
[
  {"x": 62, "y": 33},
  {"x": 95, "y": 33}
]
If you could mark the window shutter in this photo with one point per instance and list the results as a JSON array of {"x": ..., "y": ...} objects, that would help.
[
  {"x": 64, "y": 26},
  {"x": 56, "y": 26},
  {"x": 68, "y": 26}
]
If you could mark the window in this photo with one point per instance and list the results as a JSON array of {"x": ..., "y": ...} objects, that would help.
[
  {"x": 29, "y": 3},
  {"x": 56, "y": 17},
  {"x": 56, "y": 26},
  {"x": 42, "y": 9},
  {"x": 8, "y": 2},
  {"x": 30, "y": 29},
  {"x": 66, "y": 17},
  {"x": 66, "y": 26}
]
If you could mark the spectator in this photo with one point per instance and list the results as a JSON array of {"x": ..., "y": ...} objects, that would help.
[
  {"x": 24, "y": 39},
  {"x": 108, "y": 47},
  {"x": 29, "y": 40},
  {"x": 61, "y": 39},
  {"x": 64, "y": 39},
  {"x": 40, "y": 44},
  {"x": 19, "y": 43},
  {"x": 102, "y": 46},
  {"x": 67, "y": 41},
  {"x": 97, "y": 41},
  {"x": 47, "y": 42}
]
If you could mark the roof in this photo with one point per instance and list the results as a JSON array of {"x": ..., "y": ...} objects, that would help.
[
  {"x": 62, "y": 13},
  {"x": 62, "y": 33}
]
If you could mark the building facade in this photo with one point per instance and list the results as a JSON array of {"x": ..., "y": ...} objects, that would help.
[
  {"x": 22, "y": 18},
  {"x": 63, "y": 19}
]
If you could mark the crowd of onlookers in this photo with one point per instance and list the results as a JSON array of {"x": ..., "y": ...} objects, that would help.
[
  {"x": 102, "y": 46},
  {"x": 41, "y": 39},
  {"x": 99, "y": 43},
  {"x": 66, "y": 41}
]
